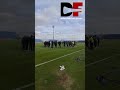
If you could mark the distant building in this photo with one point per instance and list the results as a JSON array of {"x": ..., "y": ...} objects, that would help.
[{"x": 38, "y": 40}]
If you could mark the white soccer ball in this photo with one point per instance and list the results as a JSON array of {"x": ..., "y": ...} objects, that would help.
[{"x": 62, "y": 67}]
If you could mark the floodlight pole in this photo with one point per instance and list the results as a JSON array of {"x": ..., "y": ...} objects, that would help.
[{"x": 53, "y": 31}]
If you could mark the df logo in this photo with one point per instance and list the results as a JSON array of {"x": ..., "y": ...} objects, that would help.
[{"x": 75, "y": 6}]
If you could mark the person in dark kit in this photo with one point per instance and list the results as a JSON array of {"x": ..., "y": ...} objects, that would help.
[
  {"x": 95, "y": 41},
  {"x": 64, "y": 43},
  {"x": 52, "y": 43},
  {"x": 59, "y": 43},
  {"x": 91, "y": 43},
  {"x": 74, "y": 43},
  {"x": 45, "y": 44},
  {"x": 32, "y": 42},
  {"x": 67, "y": 43},
  {"x": 48, "y": 43},
  {"x": 55, "y": 43},
  {"x": 26, "y": 42},
  {"x": 87, "y": 41},
  {"x": 23, "y": 43},
  {"x": 98, "y": 41}
]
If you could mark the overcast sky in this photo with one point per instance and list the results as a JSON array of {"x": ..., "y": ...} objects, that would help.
[
  {"x": 47, "y": 14},
  {"x": 103, "y": 16},
  {"x": 17, "y": 16}
]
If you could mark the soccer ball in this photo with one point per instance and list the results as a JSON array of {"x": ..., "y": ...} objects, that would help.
[{"x": 62, "y": 67}]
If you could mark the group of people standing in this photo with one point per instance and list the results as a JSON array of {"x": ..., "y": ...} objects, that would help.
[
  {"x": 28, "y": 43},
  {"x": 92, "y": 41},
  {"x": 56, "y": 43}
]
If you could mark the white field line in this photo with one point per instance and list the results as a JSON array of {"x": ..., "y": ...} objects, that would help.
[
  {"x": 57, "y": 58},
  {"x": 25, "y": 86},
  {"x": 100, "y": 60},
  {"x": 31, "y": 84}
]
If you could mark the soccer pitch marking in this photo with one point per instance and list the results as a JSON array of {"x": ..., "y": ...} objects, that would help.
[
  {"x": 97, "y": 61},
  {"x": 23, "y": 87},
  {"x": 57, "y": 58},
  {"x": 100, "y": 60},
  {"x": 31, "y": 84}
]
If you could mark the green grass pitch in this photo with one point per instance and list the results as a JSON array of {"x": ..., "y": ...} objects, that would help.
[
  {"x": 16, "y": 71},
  {"x": 104, "y": 60},
  {"x": 16, "y": 65},
  {"x": 49, "y": 77}
]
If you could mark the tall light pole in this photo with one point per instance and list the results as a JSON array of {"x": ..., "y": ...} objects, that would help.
[{"x": 53, "y": 31}]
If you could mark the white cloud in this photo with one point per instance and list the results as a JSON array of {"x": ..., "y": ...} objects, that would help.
[{"x": 47, "y": 13}]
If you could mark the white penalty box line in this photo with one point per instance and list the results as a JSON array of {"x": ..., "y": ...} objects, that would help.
[
  {"x": 31, "y": 84},
  {"x": 100, "y": 60},
  {"x": 97, "y": 61},
  {"x": 25, "y": 86},
  {"x": 57, "y": 58}
]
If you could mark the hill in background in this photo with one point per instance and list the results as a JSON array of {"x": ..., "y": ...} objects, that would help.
[{"x": 7, "y": 35}]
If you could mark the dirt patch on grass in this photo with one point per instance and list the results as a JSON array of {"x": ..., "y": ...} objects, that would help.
[{"x": 64, "y": 80}]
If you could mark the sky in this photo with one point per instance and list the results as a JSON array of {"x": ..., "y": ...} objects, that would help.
[
  {"x": 17, "y": 16},
  {"x": 103, "y": 16},
  {"x": 47, "y": 14}
]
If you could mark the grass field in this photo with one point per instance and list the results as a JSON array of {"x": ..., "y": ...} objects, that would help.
[
  {"x": 104, "y": 59},
  {"x": 16, "y": 65},
  {"x": 49, "y": 77}
]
